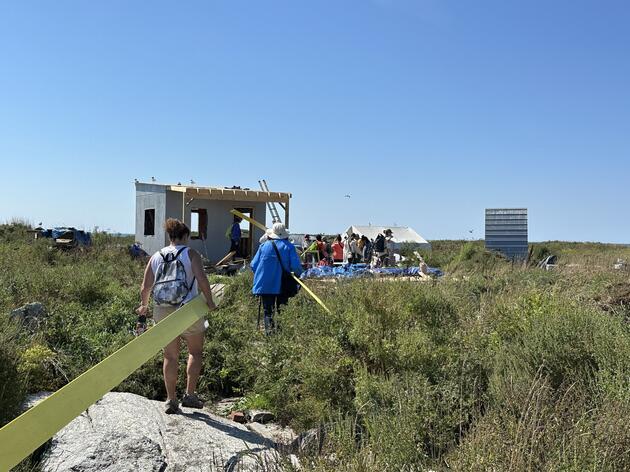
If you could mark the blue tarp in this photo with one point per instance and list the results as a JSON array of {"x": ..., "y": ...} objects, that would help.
[
  {"x": 81, "y": 237},
  {"x": 363, "y": 270},
  {"x": 136, "y": 251}
]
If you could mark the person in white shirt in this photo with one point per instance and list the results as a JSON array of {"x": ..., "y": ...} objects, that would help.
[{"x": 175, "y": 253}]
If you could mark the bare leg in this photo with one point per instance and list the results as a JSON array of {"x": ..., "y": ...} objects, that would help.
[
  {"x": 171, "y": 359},
  {"x": 195, "y": 360}
]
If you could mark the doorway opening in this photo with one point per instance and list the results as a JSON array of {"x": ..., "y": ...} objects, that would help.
[{"x": 247, "y": 233}]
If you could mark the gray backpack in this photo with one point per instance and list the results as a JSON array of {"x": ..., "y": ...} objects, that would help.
[{"x": 170, "y": 287}]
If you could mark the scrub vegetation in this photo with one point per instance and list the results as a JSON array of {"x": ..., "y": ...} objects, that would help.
[{"x": 494, "y": 366}]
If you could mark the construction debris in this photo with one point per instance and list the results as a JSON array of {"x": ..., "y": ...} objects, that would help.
[
  {"x": 259, "y": 416},
  {"x": 65, "y": 237},
  {"x": 549, "y": 262},
  {"x": 237, "y": 417},
  {"x": 364, "y": 270}
]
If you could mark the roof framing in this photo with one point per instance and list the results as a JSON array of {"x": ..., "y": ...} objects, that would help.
[{"x": 217, "y": 193}]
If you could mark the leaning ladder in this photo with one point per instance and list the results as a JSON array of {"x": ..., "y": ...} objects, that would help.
[{"x": 275, "y": 217}]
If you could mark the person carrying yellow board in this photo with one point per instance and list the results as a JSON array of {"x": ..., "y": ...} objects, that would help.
[
  {"x": 273, "y": 264},
  {"x": 173, "y": 276}
]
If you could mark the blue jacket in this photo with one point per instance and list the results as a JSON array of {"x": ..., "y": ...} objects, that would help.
[
  {"x": 235, "y": 234},
  {"x": 266, "y": 267}
]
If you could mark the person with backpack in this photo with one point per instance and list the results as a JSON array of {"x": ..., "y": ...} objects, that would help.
[
  {"x": 272, "y": 265},
  {"x": 379, "y": 249},
  {"x": 174, "y": 275}
]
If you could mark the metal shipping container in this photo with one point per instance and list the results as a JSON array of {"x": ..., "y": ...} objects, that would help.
[{"x": 506, "y": 231}]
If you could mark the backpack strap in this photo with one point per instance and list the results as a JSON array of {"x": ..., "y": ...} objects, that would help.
[
  {"x": 279, "y": 258},
  {"x": 192, "y": 284},
  {"x": 180, "y": 251}
]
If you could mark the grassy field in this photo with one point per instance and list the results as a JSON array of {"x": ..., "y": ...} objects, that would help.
[{"x": 493, "y": 367}]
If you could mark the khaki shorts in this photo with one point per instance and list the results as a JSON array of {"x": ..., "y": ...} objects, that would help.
[{"x": 161, "y": 312}]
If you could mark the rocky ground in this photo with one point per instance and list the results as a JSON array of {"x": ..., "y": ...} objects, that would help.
[{"x": 126, "y": 432}]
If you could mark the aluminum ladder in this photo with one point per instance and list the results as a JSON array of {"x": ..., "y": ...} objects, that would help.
[{"x": 275, "y": 217}]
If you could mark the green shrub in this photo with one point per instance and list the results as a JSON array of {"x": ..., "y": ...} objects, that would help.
[
  {"x": 493, "y": 367},
  {"x": 12, "y": 388},
  {"x": 475, "y": 258}
]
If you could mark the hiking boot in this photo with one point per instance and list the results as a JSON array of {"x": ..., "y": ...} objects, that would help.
[
  {"x": 171, "y": 406},
  {"x": 191, "y": 400}
]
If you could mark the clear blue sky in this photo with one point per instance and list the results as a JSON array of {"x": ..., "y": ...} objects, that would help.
[{"x": 425, "y": 112}]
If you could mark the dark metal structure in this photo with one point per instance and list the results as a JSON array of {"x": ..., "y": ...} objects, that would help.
[{"x": 506, "y": 231}]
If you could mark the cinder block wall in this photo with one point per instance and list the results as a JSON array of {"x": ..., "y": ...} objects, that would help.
[{"x": 151, "y": 197}]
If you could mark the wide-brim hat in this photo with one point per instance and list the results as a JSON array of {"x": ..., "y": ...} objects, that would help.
[{"x": 278, "y": 231}]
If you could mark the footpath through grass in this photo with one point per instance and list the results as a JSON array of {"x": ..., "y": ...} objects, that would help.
[{"x": 493, "y": 367}]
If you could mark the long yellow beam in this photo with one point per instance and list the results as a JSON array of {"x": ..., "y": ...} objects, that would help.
[
  {"x": 27, "y": 432},
  {"x": 247, "y": 218}
]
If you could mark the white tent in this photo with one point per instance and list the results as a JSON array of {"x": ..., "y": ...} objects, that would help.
[{"x": 400, "y": 234}]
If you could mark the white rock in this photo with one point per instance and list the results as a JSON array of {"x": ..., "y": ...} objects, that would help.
[{"x": 126, "y": 432}]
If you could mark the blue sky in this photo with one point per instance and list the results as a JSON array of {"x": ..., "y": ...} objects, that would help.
[{"x": 425, "y": 112}]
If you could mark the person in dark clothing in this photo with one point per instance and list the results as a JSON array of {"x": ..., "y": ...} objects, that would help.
[
  {"x": 235, "y": 236},
  {"x": 367, "y": 249}
]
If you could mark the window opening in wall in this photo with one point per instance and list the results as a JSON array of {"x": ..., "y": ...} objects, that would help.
[
  {"x": 199, "y": 223},
  {"x": 149, "y": 222}
]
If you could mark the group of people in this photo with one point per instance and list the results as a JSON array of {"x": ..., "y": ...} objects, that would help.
[
  {"x": 351, "y": 249},
  {"x": 175, "y": 275}
]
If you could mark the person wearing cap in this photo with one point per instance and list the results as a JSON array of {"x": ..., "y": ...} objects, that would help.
[
  {"x": 268, "y": 271},
  {"x": 306, "y": 242}
]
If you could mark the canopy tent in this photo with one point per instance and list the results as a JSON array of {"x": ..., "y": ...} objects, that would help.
[{"x": 400, "y": 235}]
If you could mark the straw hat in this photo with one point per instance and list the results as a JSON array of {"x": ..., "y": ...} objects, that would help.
[{"x": 278, "y": 231}]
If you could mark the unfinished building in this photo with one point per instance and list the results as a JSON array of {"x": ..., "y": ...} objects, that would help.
[
  {"x": 206, "y": 210},
  {"x": 506, "y": 232}
]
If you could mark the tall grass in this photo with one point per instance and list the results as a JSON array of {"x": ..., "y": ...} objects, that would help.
[{"x": 493, "y": 367}]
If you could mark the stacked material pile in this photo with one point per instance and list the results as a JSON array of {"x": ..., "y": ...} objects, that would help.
[{"x": 364, "y": 270}]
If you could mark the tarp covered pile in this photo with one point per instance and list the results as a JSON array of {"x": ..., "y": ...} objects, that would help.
[
  {"x": 364, "y": 270},
  {"x": 74, "y": 236}
]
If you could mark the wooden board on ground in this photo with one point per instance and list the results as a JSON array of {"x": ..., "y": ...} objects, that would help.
[{"x": 228, "y": 257}]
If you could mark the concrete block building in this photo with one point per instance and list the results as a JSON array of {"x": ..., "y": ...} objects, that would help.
[{"x": 206, "y": 210}]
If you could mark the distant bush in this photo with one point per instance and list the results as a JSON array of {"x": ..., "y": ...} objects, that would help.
[
  {"x": 441, "y": 254},
  {"x": 473, "y": 257}
]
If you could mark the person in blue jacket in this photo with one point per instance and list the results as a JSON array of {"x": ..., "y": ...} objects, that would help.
[
  {"x": 268, "y": 272},
  {"x": 235, "y": 236}
]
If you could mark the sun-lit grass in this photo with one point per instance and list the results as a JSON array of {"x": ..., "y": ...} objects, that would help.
[{"x": 493, "y": 367}]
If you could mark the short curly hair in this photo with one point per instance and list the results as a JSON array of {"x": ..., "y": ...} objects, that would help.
[{"x": 176, "y": 229}]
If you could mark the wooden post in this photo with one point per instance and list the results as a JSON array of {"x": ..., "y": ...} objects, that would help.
[
  {"x": 184, "y": 207},
  {"x": 286, "y": 214}
]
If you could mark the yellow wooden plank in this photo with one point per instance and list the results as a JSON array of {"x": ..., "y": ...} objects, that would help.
[{"x": 34, "y": 427}]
